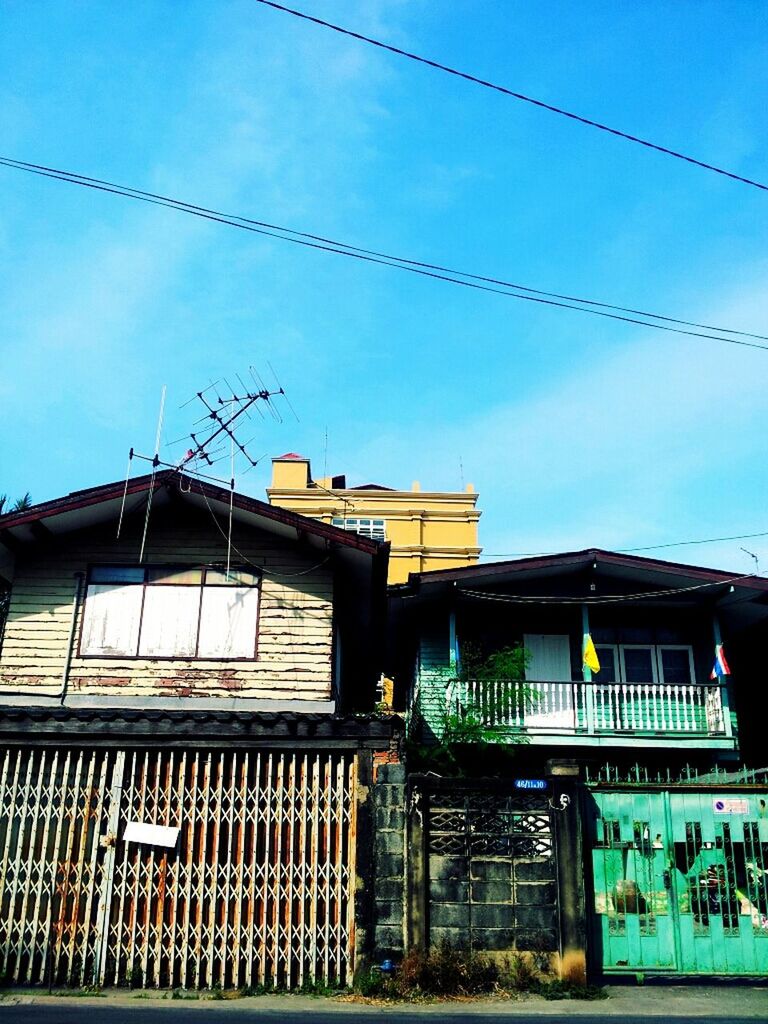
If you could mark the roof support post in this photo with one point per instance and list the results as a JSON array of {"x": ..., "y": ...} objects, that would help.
[
  {"x": 724, "y": 686},
  {"x": 453, "y": 648},
  {"x": 586, "y": 674}
]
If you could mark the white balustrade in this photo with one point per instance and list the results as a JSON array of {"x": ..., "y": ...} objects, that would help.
[{"x": 616, "y": 707}]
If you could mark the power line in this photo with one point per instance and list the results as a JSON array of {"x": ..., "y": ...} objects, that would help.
[
  {"x": 627, "y": 551},
  {"x": 515, "y": 95},
  {"x": 437, "y": 272},
  {"x": 600, "y": 598}
]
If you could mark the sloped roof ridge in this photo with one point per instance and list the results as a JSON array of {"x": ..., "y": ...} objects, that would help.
[
  {"x": 585, "y": 555},
  {"x": 105, "y": 492}
]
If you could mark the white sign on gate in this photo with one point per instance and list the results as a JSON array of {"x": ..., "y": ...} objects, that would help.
[
  {"x": 155, "y": 835},
  {"x": 730, "y": 805}
]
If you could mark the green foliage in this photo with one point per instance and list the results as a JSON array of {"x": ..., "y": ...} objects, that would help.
[
  {"x": 20, "y": 505},
  {"x": 508, "y": 663},
  {"x": 518, "y": 974},
  {"x": 463, "y": 734},
  {"x": 443, "y": 971},
  {"x": 448, "y": 970},
  {"x": 558, "y": 989}
]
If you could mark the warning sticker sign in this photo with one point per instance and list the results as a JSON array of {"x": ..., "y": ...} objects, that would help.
[{"x": 730, "y": 805}]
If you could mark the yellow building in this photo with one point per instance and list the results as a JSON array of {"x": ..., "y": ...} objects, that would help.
[{"x": 426, "y": 529}]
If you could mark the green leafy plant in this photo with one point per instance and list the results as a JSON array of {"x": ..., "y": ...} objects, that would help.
[{"x": 483, "y": 701}]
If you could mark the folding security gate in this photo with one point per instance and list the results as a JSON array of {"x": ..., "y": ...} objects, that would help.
[
  {"x": 681, "y": 881},
  {"x": 258, "y": 889}
]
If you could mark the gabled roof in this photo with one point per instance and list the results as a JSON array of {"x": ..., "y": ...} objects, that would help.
[
  {"x": 593, "y": 576},
  {"x": 97, "y": 505},
  {"x": 610, "y": 562}
]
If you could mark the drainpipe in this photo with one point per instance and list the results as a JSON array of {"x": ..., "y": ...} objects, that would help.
[{"x": 62, "y": 691}]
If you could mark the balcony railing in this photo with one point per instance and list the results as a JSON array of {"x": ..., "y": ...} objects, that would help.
[{"x": 592, "y": 708}]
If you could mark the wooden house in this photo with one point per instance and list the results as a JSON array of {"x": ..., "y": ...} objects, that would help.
[
  {"x": 627, "y": 833},
  {"x": 187, "y": 681}
]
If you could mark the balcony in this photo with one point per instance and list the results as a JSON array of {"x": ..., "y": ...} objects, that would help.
[{"x": 593, "y": 713}]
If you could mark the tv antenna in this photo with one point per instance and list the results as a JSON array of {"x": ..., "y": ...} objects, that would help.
[{"x": 218, "y": 435}]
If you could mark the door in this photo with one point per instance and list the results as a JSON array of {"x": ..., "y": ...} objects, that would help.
[
  {"x": 681, "y": 881},
  {"x": 550, "y": 664},
  {"x": 720, "y": 852},
  {"x": 634, "y": 905}
]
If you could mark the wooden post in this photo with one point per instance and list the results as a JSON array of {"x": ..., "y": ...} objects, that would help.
[
  {"x": 586, "y": 672},
  {"x": 723, "y": 684},
  {"x": 453, "y": 650}
]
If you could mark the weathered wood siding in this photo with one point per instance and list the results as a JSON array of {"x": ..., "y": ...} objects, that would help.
[
  {"x": 295, "y": 621},
  {"x": 435, "y": 671}
]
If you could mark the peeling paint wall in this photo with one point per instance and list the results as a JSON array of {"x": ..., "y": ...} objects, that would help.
[{"x": 295, "y": 621}]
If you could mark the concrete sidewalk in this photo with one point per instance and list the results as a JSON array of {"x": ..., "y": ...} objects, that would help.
[{"x": 724, "y": 1002}]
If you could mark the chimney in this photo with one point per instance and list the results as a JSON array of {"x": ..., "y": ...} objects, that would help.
[{"x": 290, "y": 472}]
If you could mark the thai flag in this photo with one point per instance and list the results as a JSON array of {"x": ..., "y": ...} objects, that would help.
[{"x": 720, "y": 668}]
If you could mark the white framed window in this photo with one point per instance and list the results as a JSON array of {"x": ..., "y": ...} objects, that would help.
[
  {"x": 169, "y": 612},
  {"x": 608, "y": 656},
  {"x": 376, "y": 529},
  {"x": 676, "y": 664},
  {"x": 645, "y": 663},
  {"x": 638, "y": 663}
]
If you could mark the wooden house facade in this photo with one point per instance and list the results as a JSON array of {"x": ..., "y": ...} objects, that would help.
[
  {"x": 187, "y": 680},
  {"x": 633, "y": 768}
]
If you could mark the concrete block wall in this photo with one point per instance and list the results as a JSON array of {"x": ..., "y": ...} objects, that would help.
[{"x": 389, "y": 862}]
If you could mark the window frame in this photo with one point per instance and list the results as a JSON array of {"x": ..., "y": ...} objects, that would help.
[
  {"x": 691, "y": 663},
  {"x": 170, "y": 566},
  {"x": 657, "y": 665},
  {"x": 341, "y": 523},
  {"x": 623, "y": 666}
]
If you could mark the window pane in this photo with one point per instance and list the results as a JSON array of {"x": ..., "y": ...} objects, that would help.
[
  {"x": 117, "y": 574},
  {"x": 638, "y": 664},
  {"x": 169, "y": 622},
  {"x": 607, "y": 658},
  {"x": 233, "y": 578},
  {"x": 676, "y": 666},
  {"x": 111, "y": 619},
  {"x": 174, "y": 575},
  {"x": 228, "y": 622}
]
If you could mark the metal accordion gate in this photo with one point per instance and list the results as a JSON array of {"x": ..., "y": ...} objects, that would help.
[
  {"x": 257, "y": 890},
  {"x": 681, "y": 880}
]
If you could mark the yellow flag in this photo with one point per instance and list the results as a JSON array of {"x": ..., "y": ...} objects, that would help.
[{"x": 591, "y": 660}]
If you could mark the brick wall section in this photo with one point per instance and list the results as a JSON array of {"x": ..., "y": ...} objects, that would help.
[{"x": 389, "y": 861}]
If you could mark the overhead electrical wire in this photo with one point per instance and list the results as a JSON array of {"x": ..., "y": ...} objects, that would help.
[
  {"x": 627, "y": 551},
  {"x": 438, "y": 272},
  {"x": 436, "y": 65},
  {"x": 598, "y": 598}
]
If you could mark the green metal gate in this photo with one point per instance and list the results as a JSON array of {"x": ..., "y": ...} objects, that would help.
[{"x": 681, "y": 881}]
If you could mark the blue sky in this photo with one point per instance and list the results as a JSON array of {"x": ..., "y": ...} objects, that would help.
[{"x": 576, "y": 431}]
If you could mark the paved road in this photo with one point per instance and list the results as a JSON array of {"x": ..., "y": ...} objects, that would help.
[{"x": 192, "y": 1013}]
